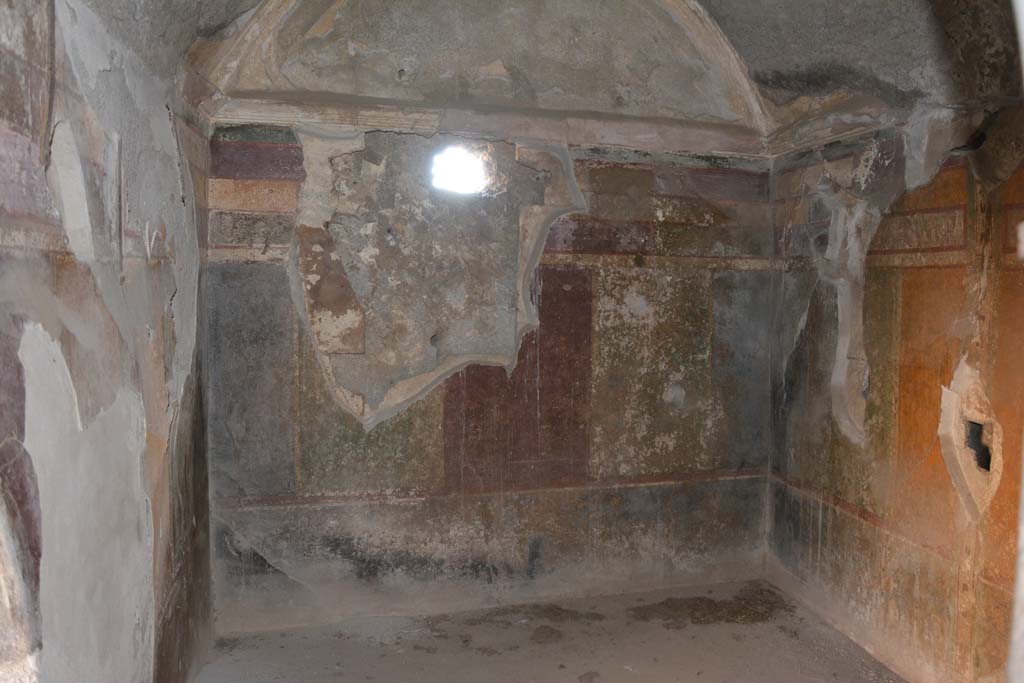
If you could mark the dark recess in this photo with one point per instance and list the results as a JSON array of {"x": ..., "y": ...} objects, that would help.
[{"x": 982, "y": 454}]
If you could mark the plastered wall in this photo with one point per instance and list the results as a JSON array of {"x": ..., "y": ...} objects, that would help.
[
  {"x": 877, "y": 537},
  {"x": 626, "y": 447},
  {"x": 103, "y": 481}
]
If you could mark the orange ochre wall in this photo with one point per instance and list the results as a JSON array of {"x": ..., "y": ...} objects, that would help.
[{"x": 876, "y": 537}]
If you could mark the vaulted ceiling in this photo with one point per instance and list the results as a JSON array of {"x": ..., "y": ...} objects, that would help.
[
  {"x": 652, "y": 60},
  {"x": 761, "y": 68}
]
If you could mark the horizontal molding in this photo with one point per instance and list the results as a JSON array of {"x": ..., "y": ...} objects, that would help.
[
  {"x": 667, "y": 262},
  {"x": 216, "y": 253},
  {"x": 588, "y": 129}
]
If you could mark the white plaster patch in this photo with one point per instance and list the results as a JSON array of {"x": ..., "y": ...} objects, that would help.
[
  {"x": 674, "y": 394},
  {"x": 637, "y": 305},
  {"x": 67, "y": 182},
  {"x": 24, "y": 670},
  {"x": 96, "y": 525},
  {"x": 368, "y": 254},
  {"x": 332, "y": 330}
]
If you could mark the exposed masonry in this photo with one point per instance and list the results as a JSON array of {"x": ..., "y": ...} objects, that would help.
[{"x": 403, "y": 285}]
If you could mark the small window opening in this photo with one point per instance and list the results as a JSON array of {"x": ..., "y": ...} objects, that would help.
[
  {"x": 982, "y": 454},
  {"x": 456, "y": 169}
]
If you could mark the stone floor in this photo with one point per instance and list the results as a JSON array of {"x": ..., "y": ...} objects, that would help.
[{"x": 726, "y": 632}]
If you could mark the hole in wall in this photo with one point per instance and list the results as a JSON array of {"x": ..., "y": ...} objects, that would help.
[
  {"x": 971, "y": 440},
  {"x": 976, "y": 442},
  {"x": 459, "y": 170}
]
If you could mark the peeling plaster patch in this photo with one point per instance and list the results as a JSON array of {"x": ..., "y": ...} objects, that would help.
[
  {"x": 857, "y": 189},
  {"x": 89, "y": 479},
  {"x": 326, "y": 300},
  {"x": 122, "y": 94},
  {"x": 963, "y": 401},
  {"x": 929, "y": 135},
  {"x": 125, "y": 204},
  {"x": 67, "y": 181},
  {"x": 842, "y": 265},
  {"x": 23, "y": 671},
  {"x": 443, "y": 280},
  {"x": 850, "y": 372}
]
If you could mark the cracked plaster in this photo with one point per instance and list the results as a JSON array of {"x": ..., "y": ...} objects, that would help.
[{"x": 401, "y": 284}]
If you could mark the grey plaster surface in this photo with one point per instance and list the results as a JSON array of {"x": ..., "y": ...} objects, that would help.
[
  {"x": 725, "y": 632},
  {"x": 649, "y": 59},
  {"x": 897, "y": 51}
]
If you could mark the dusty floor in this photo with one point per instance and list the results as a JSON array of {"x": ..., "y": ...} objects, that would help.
[{"x": 728, "y": 632}]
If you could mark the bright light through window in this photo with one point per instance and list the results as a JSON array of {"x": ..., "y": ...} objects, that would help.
[{"x": 456, "y": 169}]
